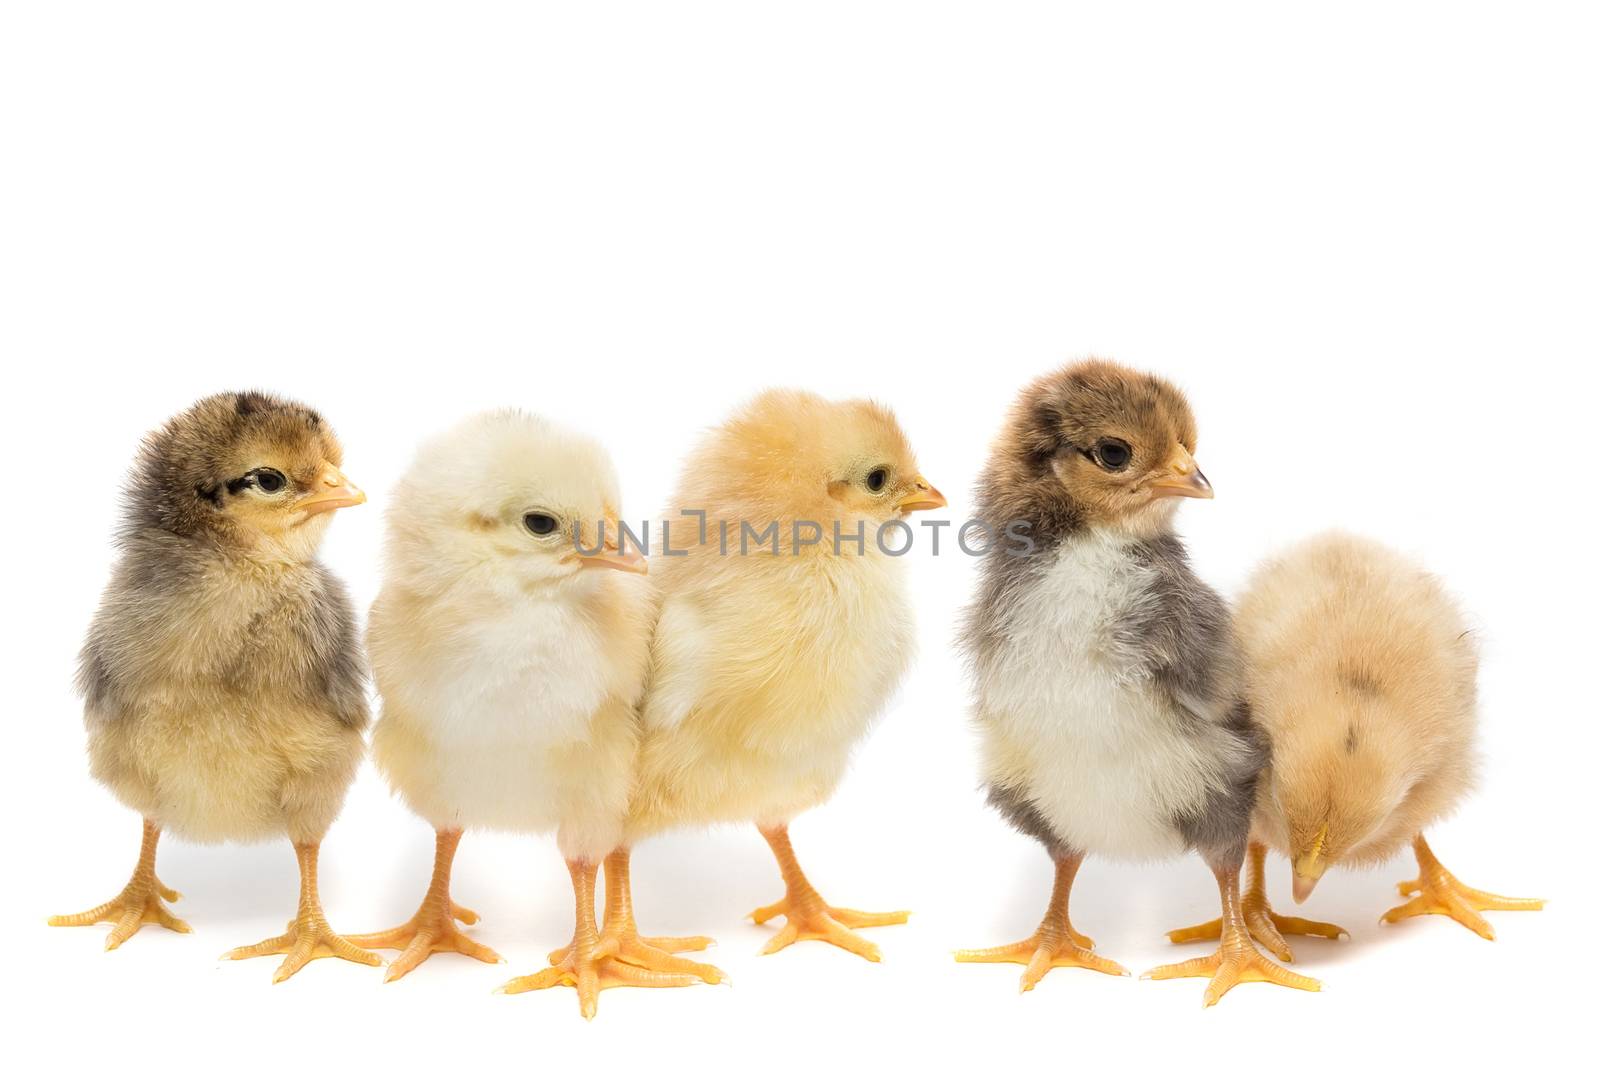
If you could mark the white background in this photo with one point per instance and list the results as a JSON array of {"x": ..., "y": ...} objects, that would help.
[{"x": 1363, "y": 238}]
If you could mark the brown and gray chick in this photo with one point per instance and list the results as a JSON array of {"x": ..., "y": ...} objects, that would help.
[{"x": 223, "y": 682}]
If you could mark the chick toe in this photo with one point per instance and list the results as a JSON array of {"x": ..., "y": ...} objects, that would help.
[
  {"x": 1237, "y": 960},
  {"x": 1435, "y": 891},
  {"x": 1264, "y": 924},
  {"x": 433, "y": 928},
  {"x": 1055, "y": 943},
  {"x": 139, "y": 904},
  {"x": 810, "y": 918},
  {"x": 308, "y": 936},
  {"x": 588, "y": 963}
]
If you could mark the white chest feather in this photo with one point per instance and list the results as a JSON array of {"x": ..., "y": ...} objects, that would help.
[
  {"x": 1072, "y": 712},
  {"x": 485, "y": 704}
]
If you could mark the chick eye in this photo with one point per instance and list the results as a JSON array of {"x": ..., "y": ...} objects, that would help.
[
  {"x": 540, "y": 524},
  {"x": 1112, "y": 454},
  {"x": 877, "y": 479},
  {"x": 268, "y": 480}
]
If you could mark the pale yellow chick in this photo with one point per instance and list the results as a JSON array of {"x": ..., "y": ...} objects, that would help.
[
  {"x": 510, "y": 646},
  {"x": 1362, "y": 673}
]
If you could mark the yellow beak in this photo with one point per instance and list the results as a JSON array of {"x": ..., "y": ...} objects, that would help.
[
  {"x": 1309, "y": 868},
  {"x": 923, "y": 497},
  {"x": 333, "y": 490},
  {"x": 616, "y": 556},
  {"x": 1183, "y": 478}
]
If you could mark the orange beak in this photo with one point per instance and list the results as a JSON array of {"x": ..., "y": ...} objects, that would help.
[
  {"x": 923, "y": 497},
  {"x": 332, "y": 490},
  {"x": 1183, "y": 478},
  {"x": 616, "y": 556}
]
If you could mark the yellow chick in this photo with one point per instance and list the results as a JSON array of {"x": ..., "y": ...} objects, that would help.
[
  {"x": 778, "y": 644},
  {"x": 509, "y": 646},
  {"x": 1362, "y": 673},
  {"x": 224, "y": 689}
]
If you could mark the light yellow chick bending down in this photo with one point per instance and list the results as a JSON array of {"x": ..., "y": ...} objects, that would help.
[
  {"x": 771, "y": 659},
  {"x": 510, "y": 664},
  {"x": 1362, "y": 673}
]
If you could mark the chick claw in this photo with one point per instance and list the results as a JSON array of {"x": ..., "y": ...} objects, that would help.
[
  {"x": 813, "y": 920},
  {"x": 429, "y": 931},
  {"x": 1235, "y": 962},
  {"x": 591, "y": 972},
  {"x": 139, "y": 904},
  {"x": 307, "y": 938},
  {"x": 1046, "y": 950},
  {"x": 1438, "y": 892}
]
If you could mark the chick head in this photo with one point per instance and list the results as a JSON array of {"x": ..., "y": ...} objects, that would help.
[
  {"x": 1116, "y": 443},
  {"x": 253, "y": 470},
  {"x": 790, "y": 455},
  {"x": 512, "y": 498},
  {"x": 1339, "y": 778}
]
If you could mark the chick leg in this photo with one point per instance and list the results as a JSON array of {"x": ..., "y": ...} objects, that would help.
[
  {"x": 620, "y": 938},
  {"x": 1264, "y": 924},
  {"x": 809, "y": 916},
  {"x": 433, "y": 928},
  {"x": 585, "y": 963},
  {"x": 140, "y": 901},
  {"x": 1055, "y": 943},
  {"x": 1236, "y": 960},
  {"x": 309, "y": 937},
  {"x": 1438, "y": 892}
]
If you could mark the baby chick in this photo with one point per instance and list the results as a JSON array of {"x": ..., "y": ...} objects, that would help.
[
  {"x": 771, "y": 659},
  {"x": 510, "y": 662},
  {"x": 1107, "y": 692},
  {"x": 223, "y": 684},
  {"x": 1362, "y": 673}
]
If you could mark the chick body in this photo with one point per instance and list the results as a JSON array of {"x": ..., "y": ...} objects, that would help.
[
  {"x": 225, "y": 701},
  {"x": 764, "y": 684},
  {"x": 510, "y": 709},
  {"x": 1081, "y": 728}
]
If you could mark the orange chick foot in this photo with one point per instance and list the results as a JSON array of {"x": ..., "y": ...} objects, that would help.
[
  {"x": 432, "y": 929},
  {"x": 1235, "y": 962},
  {"x": 1435, "y": 891},
  {"x": 139, "y": 904},
  {"x": 590, "y": 972},
  {"x": 308, "y": 938},
  {"x": 659, "y": 954},
  {"x": 1049, "y": 948},
  {"x": 812, "y": 919}
]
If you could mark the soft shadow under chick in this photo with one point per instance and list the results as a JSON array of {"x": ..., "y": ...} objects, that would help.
[
  {"x": 223, "y": 683},
  {"x": 1362, "y": 673}
]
